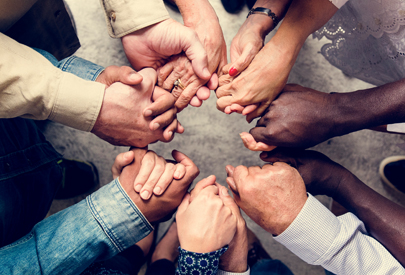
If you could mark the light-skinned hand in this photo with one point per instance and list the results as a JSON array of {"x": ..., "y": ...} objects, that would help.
[
  {"x": 209, "y": 221},
  {"x": 124, "y": 118},
  {"x": 153, "y": 45},
  {"x": 159, "y": 207},
  {"x": 271, "y": 195}
]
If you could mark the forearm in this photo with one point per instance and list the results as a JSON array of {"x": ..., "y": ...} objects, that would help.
[
  {"x": 97, "y": 228},
  {"x": 384, "y": 219},
  {"x": 196, "y": 12},
  {"x": 302, "y": 18},
  {"x": 370, "y": 108},
  {"x": 31, "y": 87}
]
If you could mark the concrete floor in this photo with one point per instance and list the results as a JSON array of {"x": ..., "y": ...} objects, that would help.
[{"x": 211, "y": 138}]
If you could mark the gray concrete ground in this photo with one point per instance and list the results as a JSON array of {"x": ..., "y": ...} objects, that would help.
[{"x": 212, "y": 138}]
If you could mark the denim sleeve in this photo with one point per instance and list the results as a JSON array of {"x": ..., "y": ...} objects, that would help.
[
  {"x": 75, "y": 65},
  {"x": 199, "y": 263},
  {"x": 97, "y": 228}
]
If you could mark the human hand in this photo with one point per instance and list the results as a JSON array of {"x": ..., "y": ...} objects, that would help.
[
  {"x": 158, "y": 207},
  {"x": 208, "y": 222},
  {"x": 299, "y": 117},
  {"x": 259, "y": 84},
  {"x": 123, "y": 74},
  {"x": 152, "y": 46},
  {"x": 126, "y": 115},
  {"x": 321, "y": 175},
  {"x": 196, "y": 89},
  {"x": 155, "y": 173},
  {"x": 272, "y": 196}
]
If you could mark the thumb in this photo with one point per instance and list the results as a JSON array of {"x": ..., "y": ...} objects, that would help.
[
  {"x": 196, "y": 53},
  {"x": 121, "y": 161},
  {"x": 240, "y": 64},
  {"x": 251, "y": 144},
  {"x": 123, "y": 74}
]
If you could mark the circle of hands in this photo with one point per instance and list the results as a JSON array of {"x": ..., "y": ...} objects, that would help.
[{"x": 252, "y": 84}]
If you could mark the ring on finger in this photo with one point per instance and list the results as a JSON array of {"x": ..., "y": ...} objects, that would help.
[{"x": 178, "y": 83}]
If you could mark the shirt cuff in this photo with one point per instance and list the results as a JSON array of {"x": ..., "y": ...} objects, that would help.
[
  {"x": 312, "y": 232},
  {"x": 222, "y": 272},
  {"x": 207, "y": 263},
  {"x": 77, "y": 103},
  {"x": 126, "y": 16},
  {"x": 117, "y": 214}
]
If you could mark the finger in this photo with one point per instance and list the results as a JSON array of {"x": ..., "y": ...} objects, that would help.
[
  {"x": 197, "y": 54},
  {"x": 249, "y": 109},
  {"x": 202, "y": 184},
  {"x": 147, "y": 165},
  {"x": 242, "y": 62},
  {"x": 162, "y": 101},
  {"x": 212, "y": 84},
  {"x": 261, "y": 134},
  {"x": 203, "y": 93},
  {"x": 164, "y": 72},
  {"x": 183, "y": 159},
  {"x": 229, "y": 201},
  {"x": 123, "y": 74},
  {"x": 253, "y": 145},
  {"x": 157, "y": 172},
  {"x": 225, "y": 69},
  {"x": 229, "y": 170},
  {"x": 196, "y": 102},
  {"x": 258, "y": 112},
  {"x": 180, "y": 128},
  {"x": 165, "y": 179},
  {"x": 223, "y": 102},
  {"x": 163, "y": 120},
  {"x": 121, "y": 161},
  {"x": 168, "y": 133},
  {"x": 187, "y": 94},
  {"x": 149, "y": 76},
  {"x": 224, "y": 80},
  {"x": 180, "y": 171},
  {"x": 238, "y": 176},
  {"x": 236, "y": 108}
]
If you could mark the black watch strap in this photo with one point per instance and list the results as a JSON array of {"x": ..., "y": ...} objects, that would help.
[{"x": 264, "y": 11}]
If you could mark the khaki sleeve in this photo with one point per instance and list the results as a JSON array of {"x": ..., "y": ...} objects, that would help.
[
  {"x": 126, "y": 16},
  {"x": 31, "y": 87}
]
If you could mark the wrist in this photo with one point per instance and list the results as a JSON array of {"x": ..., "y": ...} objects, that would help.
[{"x": 196, "y": 12}]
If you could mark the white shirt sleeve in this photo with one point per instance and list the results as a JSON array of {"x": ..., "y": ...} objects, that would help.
[
  {"x": 338, "y": 3},
  {"x": 339, "y": 244},
  {"x": 222, "y": 272}
]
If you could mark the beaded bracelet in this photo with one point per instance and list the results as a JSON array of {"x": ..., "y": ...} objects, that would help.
[{"x": 265, "y": 11}]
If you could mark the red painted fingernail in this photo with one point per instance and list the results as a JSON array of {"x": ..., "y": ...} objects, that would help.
[{"x": 233, "y": 71}]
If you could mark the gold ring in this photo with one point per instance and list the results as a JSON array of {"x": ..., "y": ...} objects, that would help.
[{"x": 178, "y": 83}]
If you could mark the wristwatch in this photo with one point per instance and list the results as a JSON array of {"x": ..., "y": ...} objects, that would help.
[{"x": 265, "y": 11}]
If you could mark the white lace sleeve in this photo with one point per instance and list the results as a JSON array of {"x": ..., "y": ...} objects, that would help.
[{"x": 338, "y": 3}]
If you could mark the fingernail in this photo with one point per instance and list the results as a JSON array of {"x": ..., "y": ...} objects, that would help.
[
  {"x": 170, "y": 134},
  {"x": 147, "y": 113},
  {"x": 224, "y": 192},
  {"x": 138, "y": 188},
  {"x": 228, "y": 170},
  {"x": 233, "y": 71},
  {"x": 127, "y": 154},
  {"x": 242, "y": 136},
  {"x": 157, "y": 190},
  {"x": 177, "y": 174},
  {"x": 145, "y": 195},
  {"x": 156, "y": 126}
]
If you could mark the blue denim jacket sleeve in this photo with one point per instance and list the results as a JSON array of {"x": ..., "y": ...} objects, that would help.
[
  {"x": 97, "y": 228},
  {"x": 75, "y": 65}
]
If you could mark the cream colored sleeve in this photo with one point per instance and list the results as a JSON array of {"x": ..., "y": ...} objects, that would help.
[
  {"x": 126, "y": 16},
  {"x": 31, "y": 87}
]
